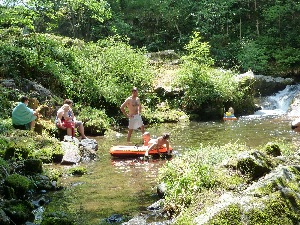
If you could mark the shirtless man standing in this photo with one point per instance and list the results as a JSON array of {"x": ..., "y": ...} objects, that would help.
[{"x": 133, "y": 105}]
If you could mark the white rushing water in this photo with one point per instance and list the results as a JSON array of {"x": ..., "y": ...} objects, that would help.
[{"x": 279, "y": 103}]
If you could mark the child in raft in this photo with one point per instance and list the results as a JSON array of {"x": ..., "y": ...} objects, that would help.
[
  {"x": 156, "y": 143},
  {"x": 230, "y": 112},
  {"x": 146, "y": 138}
]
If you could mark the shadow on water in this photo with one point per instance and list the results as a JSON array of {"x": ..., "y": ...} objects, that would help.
[{"x": 126, "y": 187}]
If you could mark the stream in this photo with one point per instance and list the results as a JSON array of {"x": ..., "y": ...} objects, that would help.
[{"x": 123, "y": 188}]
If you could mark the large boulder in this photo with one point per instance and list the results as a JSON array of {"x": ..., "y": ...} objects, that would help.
[
  {"x": 71, "y": 153},
  {"x": 75, "y": 151},
  {"x": 265, "y": 85},
  {"x": 275, "y": 198}
]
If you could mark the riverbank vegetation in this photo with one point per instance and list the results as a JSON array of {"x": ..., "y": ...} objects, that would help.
[{"x": 201, "y": 184}]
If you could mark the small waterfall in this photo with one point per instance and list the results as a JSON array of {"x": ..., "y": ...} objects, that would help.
[{"x": 279, "y": 103}]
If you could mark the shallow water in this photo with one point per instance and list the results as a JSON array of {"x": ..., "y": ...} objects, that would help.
[{"x": 127, "y": 187}]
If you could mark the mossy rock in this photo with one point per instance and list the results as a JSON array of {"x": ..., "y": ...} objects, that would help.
[
  {"x": 33, "y": 166},
  {"x": 42, "y": 182},
  {"x": 254, "y": 164},
  {"x": 18, "y": 183},
  {"x": 273, "y": 149},
  {"x": 53, "y": 173},
  {"x": 78, "y": 171},
  {"x": 57, "y": 218},
  {"x": 19, "y": 211},
  {"x": 276, "y": 211},
  {"x": 230, "y": 215}
]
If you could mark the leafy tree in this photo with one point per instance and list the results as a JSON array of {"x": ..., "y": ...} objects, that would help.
[
  {"x": 79, "y": 18},
  {"x": 206, "y": 89}
]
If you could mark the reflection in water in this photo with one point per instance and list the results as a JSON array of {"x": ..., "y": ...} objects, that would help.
[{"x": 128, "y": 186}]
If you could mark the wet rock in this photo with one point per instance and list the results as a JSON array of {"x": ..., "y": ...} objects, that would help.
[
  {"x": 161, "y": 190},
  {"x": 42, "y": 182},
  {"x": 89, "y": 144},
  {"x": 36, "y": 90},
  {"x": 8, "y": 83},
  {"x": 137, "y": 220},
  {"x": 76, "y": 151},
  {"x": 156, "y": 205},
  {"x": 88, "y": 148},
  {"x": 115, "y": 218},
  {"x": 265, "y": 85}
]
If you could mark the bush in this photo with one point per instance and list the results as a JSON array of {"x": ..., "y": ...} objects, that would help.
[
  {"x": 184, "y": 177},
  {"x": 96, "y": 122},
  {"x": 77, "y": 171},
  {"x": 5, "y": 104},
  {"x": 207, "y": 90},
  {"x": 4, "y": 144}
]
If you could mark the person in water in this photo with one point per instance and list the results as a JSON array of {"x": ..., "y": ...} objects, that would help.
[
  {"x": 159, "y": 143},
  {"x": 230, "y": 112},
  {"x": 133, "y": 105},
  {"x": 296, "y": 125},
  {"x": 146, "y": 138}
]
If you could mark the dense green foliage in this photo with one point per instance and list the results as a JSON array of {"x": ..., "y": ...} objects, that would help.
[
  {"x": 99, "y": 74},
  {"x": 20, "y": 145},
  {"x": 205, "y": 86},
  {"x": 193, "y": 173},
  {"x": 196, "y": 180},
  {"x": 256, "y": 34}
]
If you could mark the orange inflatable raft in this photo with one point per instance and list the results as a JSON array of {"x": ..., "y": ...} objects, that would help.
[
  {"x": 229, "y": 118},
  {"x": 135, "y": 151}
]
